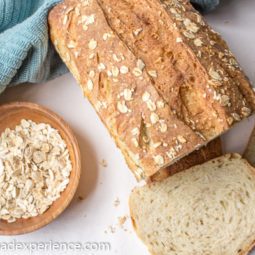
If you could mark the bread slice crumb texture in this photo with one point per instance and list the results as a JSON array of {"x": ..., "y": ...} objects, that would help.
[{"x": 207, "y": 209}]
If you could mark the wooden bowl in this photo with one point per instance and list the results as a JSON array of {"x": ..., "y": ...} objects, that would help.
[{"x": 10, "y": 116}]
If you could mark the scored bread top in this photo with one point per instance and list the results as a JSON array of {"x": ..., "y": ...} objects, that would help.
[
  {"x": 152, "y": 128},
  {"x": 191, "y": 66},
  {"x": 116, "y": 83},
  {"x": 206, "y": 209}
]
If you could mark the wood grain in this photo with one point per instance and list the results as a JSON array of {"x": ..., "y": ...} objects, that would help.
[{"x": 10, "y": 115}]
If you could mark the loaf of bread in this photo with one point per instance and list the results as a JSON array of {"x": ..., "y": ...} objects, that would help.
[
  {"x": 212, "y": 150},
  {"x": 249, "y": 152},
  {"x": 207, "y": 209},
  {"x": 161, "y": 80}
]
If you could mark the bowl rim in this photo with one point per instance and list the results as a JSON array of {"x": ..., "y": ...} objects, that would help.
[{"x": 77, "y": 157}]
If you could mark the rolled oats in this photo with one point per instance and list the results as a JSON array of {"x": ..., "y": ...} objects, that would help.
[
  {"x": 159, "y": 160},
  {"x": 34, "y": 169}
]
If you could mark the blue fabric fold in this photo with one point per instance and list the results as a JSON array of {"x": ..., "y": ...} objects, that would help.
[
  {"x": 26, "y": 53},
  {"x": 205, "y": 6}
]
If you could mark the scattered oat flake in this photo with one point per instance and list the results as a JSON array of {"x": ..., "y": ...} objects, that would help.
[
  {"x": 159, "y": 160},
  {"x": 92, "y": 44},
  {"x": 153, "y": 73},
  {"x": 90, "y": 84},
  {"x": 65, "y": 19},
  {"x": 122, "y": 107},
  {"x": 103, "y": 163},
  {"x": 122, "y": 220},
  {"x": 124, "y": 69},
  {"x": 111, "y": 229},
  {"x": 116, "y": 202},
  {"x": 178, "y": 39}
]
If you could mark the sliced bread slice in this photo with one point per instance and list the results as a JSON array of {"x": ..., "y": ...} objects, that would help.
[{"x": 208, "y": 209}]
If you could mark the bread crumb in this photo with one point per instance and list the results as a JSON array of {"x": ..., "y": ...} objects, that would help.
[
  {"x": 119, "y": 225},
  {"x": 103, "y": 163},
  {"x": 116, "y": 202},
  {"x": 80, "y": 198},
  {"x": 110, "y": 229},
  {"x": 121, "y": 221}
]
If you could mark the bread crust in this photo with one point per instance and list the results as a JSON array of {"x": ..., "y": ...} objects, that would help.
[
  {"x": 252, "y": 245},
  {"x": 246, "y": 251},
  {"x": 147, "y": 128},
  {"x": 148, "y": 133},
  {"x": 188, "y": 56},
  {"x": 212, "y": 150}
]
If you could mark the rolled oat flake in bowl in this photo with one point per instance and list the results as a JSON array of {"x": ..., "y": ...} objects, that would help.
[{"x": 34, "y": 169}]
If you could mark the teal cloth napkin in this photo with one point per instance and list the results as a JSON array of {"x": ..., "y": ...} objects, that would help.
[
  {"x": 205, "y": 6},
  {"x": 26, "y": 53}
]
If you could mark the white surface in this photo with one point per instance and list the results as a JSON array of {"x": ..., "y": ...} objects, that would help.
[{"x": 100, "y": 186}]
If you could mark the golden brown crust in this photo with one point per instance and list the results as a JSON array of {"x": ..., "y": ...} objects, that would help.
[
  {"x": 152, "y": 128},
  {"x": 212, "y": 150},
  {"x": 142, "y": 124},
  {"x": 248, "y": 249},
  {"x": 196, "y": 72},
  {"x": 252, "y": 245}
]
